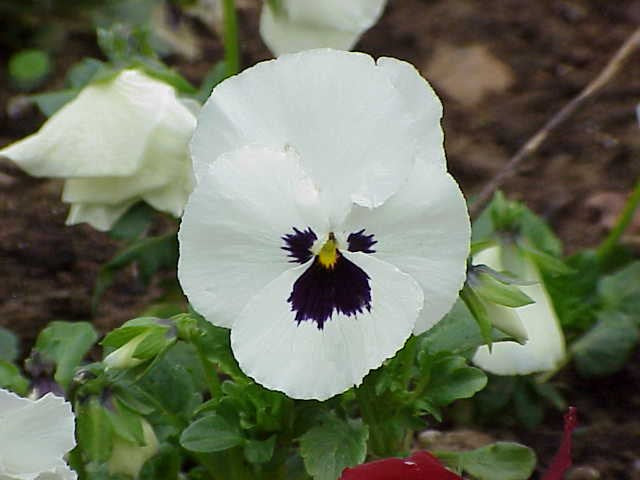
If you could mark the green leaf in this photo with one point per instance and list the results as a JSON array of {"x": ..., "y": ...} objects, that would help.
[
  {"x": 492, "y": 290},
  {"x": 605, "y": 348},
  {"x": 259, "y": 451},
  {"x": 332, "y": 446},
  {"x": 133, "y": 223},
  {"x": 12, "y": 379},
  {"x": 212, "y": 433},
  {"x": 9, "y": 345},
  {"x": 214, "y": 76},
  {"x": 453, "y": 379},
  {"x": 94, "y": 431},
  {"x": 150, "y": 254},
  {"x": 547, "y": 263},
  {"x": 50, "y": 103},
  {"x": 66, "y": 344},
  {"x": 83, "y": 72},
  {"x": 478, "y": 311},
  {"x": 499, "y": 461},
  {"x": 28, "y": 68},
  {"x": 216, "y": 344},
  {"x": 164, "y": 465},
  {"x": 621, "y": 290}
]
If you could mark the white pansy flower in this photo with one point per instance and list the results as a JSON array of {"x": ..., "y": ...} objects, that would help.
[
  {"x": 34, "y": 437},
  {"x": 324, "y": 228},
  {"x": 288, "y": 26},
  {"x": 118, "y": 142},
  {"x": 544, "y": 349}
]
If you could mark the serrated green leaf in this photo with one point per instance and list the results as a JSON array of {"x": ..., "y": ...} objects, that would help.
[
  {"x": 336, "y": 444},
  {"x": 259, "y": 451},
  {"x": 605, "y": 348},
  {"x": 453, "y": 379},
  {"x": 499, "y": 461},
  {"x": 212, "y": 433},
  {"x": 66, "y": 344},
  {"x": 9, "y": 345}
]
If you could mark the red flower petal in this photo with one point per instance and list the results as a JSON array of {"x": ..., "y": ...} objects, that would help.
[
  {"x": 419, "y": 466},
  {"x": 562, "y": 460}
]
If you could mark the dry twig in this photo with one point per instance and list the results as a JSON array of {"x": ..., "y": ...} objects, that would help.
[{"x": 609, "y": 71}]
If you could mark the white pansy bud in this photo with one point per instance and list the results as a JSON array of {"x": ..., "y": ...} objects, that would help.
[
  {"x": 118, "y": 142},
  {"x": 123, "y": 357},
  {"x": 288, "y": 26},
  {"x": 128, "y": 458},
  {"x": 544, "y": 349},
  {"x": 34, "y": 437}
]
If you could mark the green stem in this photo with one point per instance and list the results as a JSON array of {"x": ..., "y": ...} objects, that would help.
[
  {"x": 366, "y": 401},
  {"x": 623, "y": 221},
  {"x": 230, "y": 38},
  {"x": 210, "y": 372}
]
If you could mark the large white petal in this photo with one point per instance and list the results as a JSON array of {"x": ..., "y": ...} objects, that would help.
[
  {"x": 424, "y": 105},
  {"x": 545, "y": 348},
  {"x": 232, "y": 228},
  {"x": 307, "y": 363},
  {"x": 338, "y": 110},
  {"x": 424, "y": 230},
  {"x": 285, "y": 35},
  {"x": 102, "y": 132},
  {"x": 34, "y": 438}
]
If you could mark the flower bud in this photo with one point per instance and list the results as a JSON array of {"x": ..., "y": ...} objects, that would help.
[
  {"x": 127, "y": 457},
  {"x": 123, "y": 357}
]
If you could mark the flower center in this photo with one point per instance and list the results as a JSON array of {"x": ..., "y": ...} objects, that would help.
[{"x": 332, "y": 283}]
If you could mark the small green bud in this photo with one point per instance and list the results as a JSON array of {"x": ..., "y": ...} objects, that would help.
[{"x": 127, "y": 457}]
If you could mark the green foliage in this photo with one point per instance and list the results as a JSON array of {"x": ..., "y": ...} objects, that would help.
[
  {"x": 64, "y": 344},
  {"x": 212, "y": 433},
  {"x": 335, "y": 444},
  {"x": 94, "y": 431},
  {"x": 9, "y": 345},
  {"x": 498, "y": 461},
  {"x": 150, "y": 254},
  {"x": 28, "y": 68},
  {"x": 12, "y": 379},
  {"x": 133, "y": 223}
]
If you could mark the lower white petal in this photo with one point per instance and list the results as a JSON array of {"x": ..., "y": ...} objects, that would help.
[
  {"x": 100, "y": 217},
  {"x": 308, "y": 363},
  {"x": 545, "y": 348},
  {"x": 424, "y": 230},
  {"x": 231, "y": 232},
  {"x": 35, "y": 437}
]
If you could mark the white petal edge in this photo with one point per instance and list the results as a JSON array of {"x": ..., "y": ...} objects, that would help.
[
  {"x": 231, "y": 232},
  {"x": 307, "y": 363},
  {"x": 102, "y": 132},
  {"x": 424, "y": 230},
  {"x": 545, "y": 348},
  {"x": 101, "y": 217},
  {"x": 36, "y": 435},
  {"x": 338, "y": 110}
]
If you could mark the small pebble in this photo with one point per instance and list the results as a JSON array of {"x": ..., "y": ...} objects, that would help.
[{"x": 583, "y": 472}]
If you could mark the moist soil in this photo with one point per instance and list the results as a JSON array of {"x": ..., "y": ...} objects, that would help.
[{"x": 502, "y": 68}]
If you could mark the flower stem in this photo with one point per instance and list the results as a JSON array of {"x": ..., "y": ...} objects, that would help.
[
  {"x": 210, "y": 373},
  {"x": 623, "y": 221},
  {"x": 230, "y": 38}
]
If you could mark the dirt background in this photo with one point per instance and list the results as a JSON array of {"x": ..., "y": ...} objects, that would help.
[{"x": 502, "y": 69}]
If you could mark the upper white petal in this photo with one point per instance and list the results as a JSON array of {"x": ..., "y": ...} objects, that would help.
[
  {"x": 34, "y": 435},
  {"x": 545, "y": 348},
  {"x": 340, "y": 111},
  {"x": 232, "y": 228},
  {"x": 102, "y": 132},
  {"x": 424, "y": 230},
  {"x": 307, "y": 363}
]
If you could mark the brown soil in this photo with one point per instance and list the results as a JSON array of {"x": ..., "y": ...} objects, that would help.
[{"x": 519, "y": 62}]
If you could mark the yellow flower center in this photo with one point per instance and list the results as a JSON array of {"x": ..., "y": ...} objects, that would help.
[{"x": 328, "y": 254}]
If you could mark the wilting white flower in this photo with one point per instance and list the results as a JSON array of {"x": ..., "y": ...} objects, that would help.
[
  {"x": 545, "y": 349},
  {"x": 324, "y": 228},
  {"x": 34, "y": 437},
  {"x": 128, "y": 458},
  {"x": 118, "y": 142},
  {"x": 289, "y": 26}
]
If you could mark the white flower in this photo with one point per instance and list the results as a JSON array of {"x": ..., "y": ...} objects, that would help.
[
  {"x": 324, "y": 228},
  {"x": 545, "y": 349},
  {"x": 118, "y": 142},
  {"x": 128, "y": 458},
  {"x": 288, "y": 26},
  {"x": 34, "y": 436}
]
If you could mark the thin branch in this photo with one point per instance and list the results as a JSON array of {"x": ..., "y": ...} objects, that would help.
[{"x": 609, "y": 71}]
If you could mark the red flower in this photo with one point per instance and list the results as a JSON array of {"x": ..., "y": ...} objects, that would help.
[
  {"x": 562, "y": 460},
  {"x": 419, "y": 466}
]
